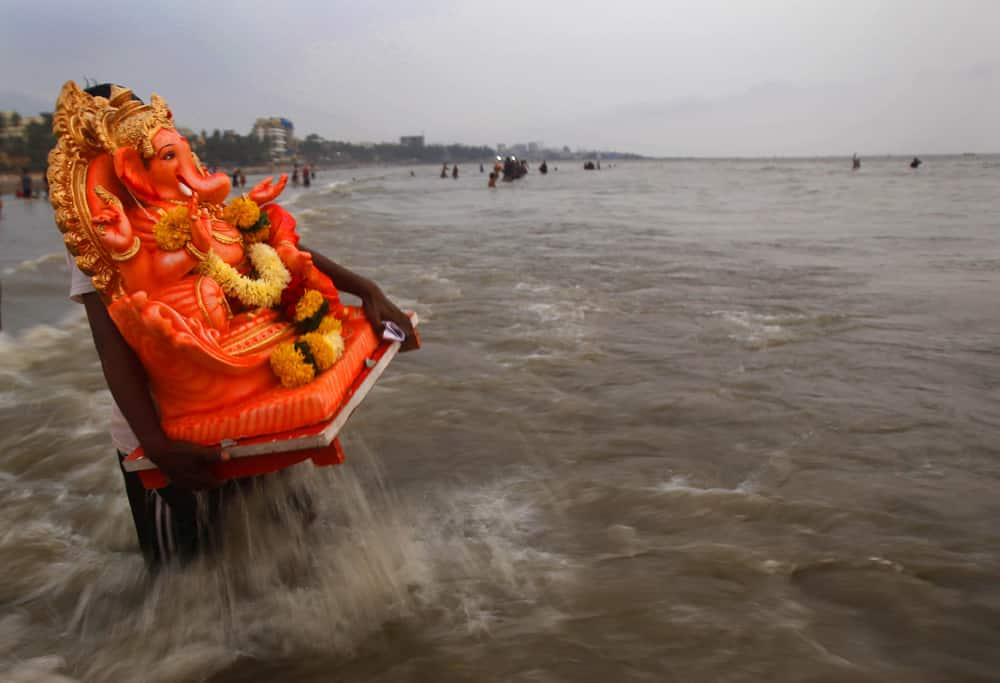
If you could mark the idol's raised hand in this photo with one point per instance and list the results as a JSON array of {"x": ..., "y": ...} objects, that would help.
[
  {"x": 265, "y": 192},
  {"x": 111, "y": 222}
]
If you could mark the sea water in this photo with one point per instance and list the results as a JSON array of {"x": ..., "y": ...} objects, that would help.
[{"x": 730, "y": 420}]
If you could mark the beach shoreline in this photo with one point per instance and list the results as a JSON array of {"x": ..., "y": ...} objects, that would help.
[{"x": 10, "y": 183}]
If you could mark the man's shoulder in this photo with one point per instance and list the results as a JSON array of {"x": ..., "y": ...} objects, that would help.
[{"x": 79, "y": 283}]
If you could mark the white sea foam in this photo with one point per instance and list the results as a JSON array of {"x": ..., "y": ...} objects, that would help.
[
  {"x": 31, "y": 265},
  {"x": 284, "y": 590},
  {"x": 759, "y": 330},
  {"x": 681, "y": 484}
]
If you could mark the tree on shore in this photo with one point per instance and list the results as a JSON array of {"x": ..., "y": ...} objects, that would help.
[
  {"x": 227, "y": 148},
  {"x": 30, "y": 149}
]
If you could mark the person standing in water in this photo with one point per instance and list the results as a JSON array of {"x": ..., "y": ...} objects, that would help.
[
  {"x": 171, "y": 523},
  {"x": 454, "y": 171},
  {"x": 26, "y": 190},
  {"x": 444, "y": 170},
  {"x": 493, "y": 179},
  {"x": 855, "y": 162}
]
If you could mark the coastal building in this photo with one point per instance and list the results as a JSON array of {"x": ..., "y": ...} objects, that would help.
[
  {"x": 279, "y": 134},
  {"x": 13, "y": 126},
  {"x": 412, "y": 141}
]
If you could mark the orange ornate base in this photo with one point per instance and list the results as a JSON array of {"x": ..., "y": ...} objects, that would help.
[
  {"x": 318, "y": 441},
  {"x": 279, "y": 409}
]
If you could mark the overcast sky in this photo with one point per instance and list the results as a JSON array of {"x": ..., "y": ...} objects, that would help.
[{"x": 665, "y": 77}]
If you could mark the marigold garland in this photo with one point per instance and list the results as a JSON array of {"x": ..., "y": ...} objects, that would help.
[
  {"x": 173, "y": 229},
  {"x": 329, "y": 325},
  {"x": 290, "y": 365},
  {"x": 298, "y": 363},
  {"x": 310, "y": 310},
  {"x": 307, "y": 306},
  {"x": 324, "y": 355},
  {"x": 265, "y": 291},
  {"x": 259, "y": 232},
  {"x": 242, "y": 212}
]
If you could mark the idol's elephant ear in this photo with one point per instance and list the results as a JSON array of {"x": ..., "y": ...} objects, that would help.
[{"x": 132, "y": 172}]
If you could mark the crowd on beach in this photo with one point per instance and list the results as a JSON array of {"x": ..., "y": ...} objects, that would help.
[{"x": 508, "y": 170}]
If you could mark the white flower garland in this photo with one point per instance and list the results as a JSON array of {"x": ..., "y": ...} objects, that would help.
[{"x": 265, "y": 291}]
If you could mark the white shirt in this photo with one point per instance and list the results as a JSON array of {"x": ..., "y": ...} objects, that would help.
[{"x": 122, "y": 436}]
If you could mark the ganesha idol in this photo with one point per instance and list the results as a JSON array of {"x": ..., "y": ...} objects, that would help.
[{"x": 239, "y": 333}]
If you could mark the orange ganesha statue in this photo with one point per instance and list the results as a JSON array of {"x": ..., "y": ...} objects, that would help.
[{"x": 239, "y": 333}]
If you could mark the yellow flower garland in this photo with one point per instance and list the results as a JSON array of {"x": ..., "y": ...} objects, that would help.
[
  {"x": 242, "y": 212},
  {"x": 258, "y": 235},
  {"x": 290, "y": 365},
  {"x": 310, "y": 311},
  {"x": 298, "y": 363},
  {"x": 245, "y": 215},
  {"x": 173, "y": 229},
  {"x": 263, "y": 292},
  {"x": 330, "y": 325}
]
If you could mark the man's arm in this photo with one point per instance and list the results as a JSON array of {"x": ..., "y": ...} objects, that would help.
[
  {"x": 376, "y": 304},
  {"x": 184, "y": 463}
]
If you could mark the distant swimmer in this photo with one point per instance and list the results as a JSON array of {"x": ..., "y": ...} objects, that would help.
[
  {"x": 26, "y": 190},
  {"x": 493, "y": 179},
  {"x": 916, "y": 162},
  {"x": 480, "y": 168},
  {"x": 544, "y": 168},
  {"x": 855, "y": 162},
  {"x": 444, "y": 170},
  {"x": 454, "y": 171},
  {"x": 412, "y": 174}
]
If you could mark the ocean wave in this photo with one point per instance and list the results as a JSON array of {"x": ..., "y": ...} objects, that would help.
[
  {"x": 764, "y": 330},
  {"x": 280, "y": 588},
  {"x": 31, "y": 265},
  {"x": 36, "y": 669},
  {"x": 21, "y": 350}
]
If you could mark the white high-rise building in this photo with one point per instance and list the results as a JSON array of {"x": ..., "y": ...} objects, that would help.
[{"x": 278, "y": 131}]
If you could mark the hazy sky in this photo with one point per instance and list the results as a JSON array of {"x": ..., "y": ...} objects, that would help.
[{"x": 666, "y": 77}]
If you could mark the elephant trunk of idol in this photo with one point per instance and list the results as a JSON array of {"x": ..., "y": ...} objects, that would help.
[{"x": 213, "y": 188}]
